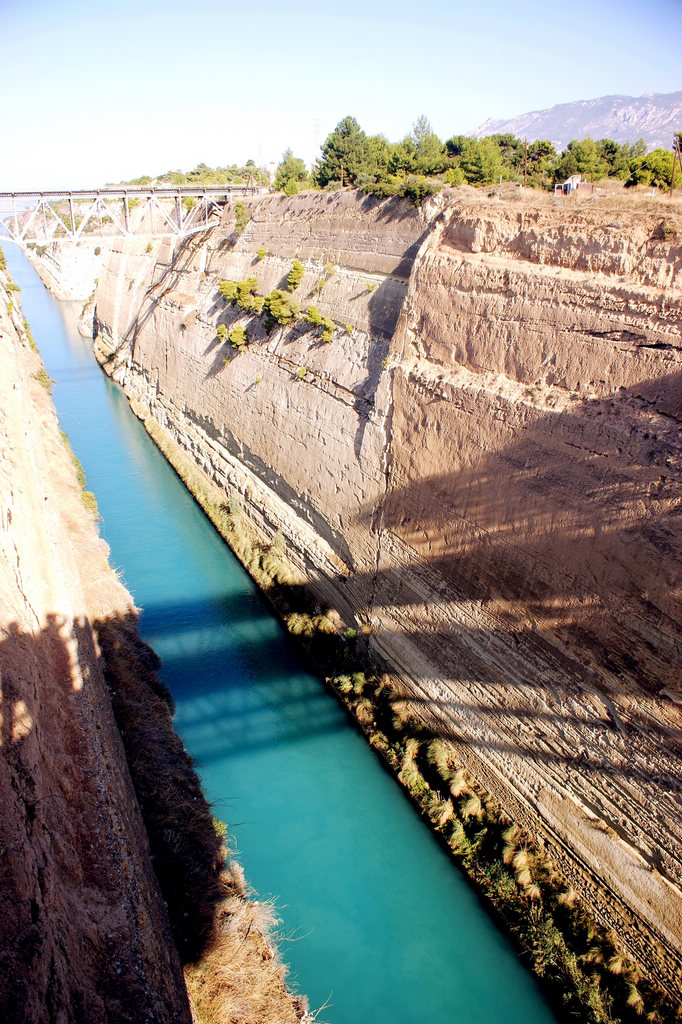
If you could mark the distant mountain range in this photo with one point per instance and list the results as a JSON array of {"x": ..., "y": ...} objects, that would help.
[{"x": 652, "y": 117}]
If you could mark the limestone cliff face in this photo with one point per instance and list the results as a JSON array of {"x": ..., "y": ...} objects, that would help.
[
  {"x": 84, "y": 935},
  {"x": 484, "y": 466}
]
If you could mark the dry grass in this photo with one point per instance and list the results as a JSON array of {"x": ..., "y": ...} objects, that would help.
[{"x": 240, "y": 979}]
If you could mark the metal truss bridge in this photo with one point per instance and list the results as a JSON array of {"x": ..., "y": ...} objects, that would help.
[{"x": 44, "y": 217}]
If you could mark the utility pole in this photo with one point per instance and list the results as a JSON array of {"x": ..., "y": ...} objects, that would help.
[
  {"x": 676, "y": 156},
  {"x": 525, "y": 161}
]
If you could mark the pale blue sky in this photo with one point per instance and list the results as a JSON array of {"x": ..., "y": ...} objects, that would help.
[{"x": 102, "y": 92}]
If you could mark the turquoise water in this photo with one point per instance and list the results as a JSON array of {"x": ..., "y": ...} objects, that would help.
[{"x": 377, "y": 922}]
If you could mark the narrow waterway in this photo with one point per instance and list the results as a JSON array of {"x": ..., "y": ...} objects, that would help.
[{"x": 378, "y": 923}]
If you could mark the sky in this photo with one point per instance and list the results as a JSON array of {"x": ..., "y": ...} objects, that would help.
[{"x": 102, "y": 92}]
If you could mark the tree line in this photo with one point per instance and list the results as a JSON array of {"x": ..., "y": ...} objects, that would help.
[{"x": 421, "y": 163}]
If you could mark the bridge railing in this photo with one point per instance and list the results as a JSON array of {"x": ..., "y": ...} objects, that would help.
[{"x": 61, "y": 216}]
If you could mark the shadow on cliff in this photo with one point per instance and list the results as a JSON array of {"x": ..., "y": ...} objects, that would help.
[
  {"x": 574, "y": 528},
  {"x": 171, "y": 273},
  {"x": 68, "y": 950},
  {"x": 186, "y": 851}
]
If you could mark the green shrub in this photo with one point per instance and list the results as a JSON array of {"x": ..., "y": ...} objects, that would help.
[
  {"x": 295, "y": 276},
  {"x": 241, "y": 292},
  {"x": 313, "y": 316},
  {"x": 238, "y": 337},
  {"x": 221, "y": 332},
  {"x": 241, "y": 216},
  {"x": 262, "y": 253},
  {"x": 3, "y": 260},
  {"x": 29, "y": 335},
  {"x": 301, "y": 372},
  {"x": 43, "y": 378},
  {"x": 280, "y": 307}
]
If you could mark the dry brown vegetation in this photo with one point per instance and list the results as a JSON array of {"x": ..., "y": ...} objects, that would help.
[{"x": 240, "y": 979}]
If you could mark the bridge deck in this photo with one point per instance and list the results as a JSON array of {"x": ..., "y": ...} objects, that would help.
[{"x": 42, "y": 217}]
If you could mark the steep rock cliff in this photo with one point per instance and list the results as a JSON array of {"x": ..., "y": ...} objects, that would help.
[
  {"x": 84, "y": 934},
  {"x": 484, "y": 466}
]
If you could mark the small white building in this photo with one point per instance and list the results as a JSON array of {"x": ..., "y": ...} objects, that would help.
[{"x": 571, "y": 184}]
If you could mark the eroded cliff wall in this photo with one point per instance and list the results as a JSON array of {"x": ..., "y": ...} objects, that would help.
[
  {"x": 84, "y": 934},
  {"x": 483, "y": 465}
]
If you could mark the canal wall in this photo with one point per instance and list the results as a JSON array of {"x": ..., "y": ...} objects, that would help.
[
  {"x": 84, "y": 933},
  {"x": 481, "y": 469}
]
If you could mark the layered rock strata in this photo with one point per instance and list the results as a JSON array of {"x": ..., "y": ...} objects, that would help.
[
  {"x": 483, "y": 466},
  {"x": 84, "y": 934}
]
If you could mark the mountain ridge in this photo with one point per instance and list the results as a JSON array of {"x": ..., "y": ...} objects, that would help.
[{"x": 653, "y": 117}]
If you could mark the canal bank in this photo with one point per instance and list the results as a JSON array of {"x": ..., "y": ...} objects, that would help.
[{"x": 381, "y": 924}]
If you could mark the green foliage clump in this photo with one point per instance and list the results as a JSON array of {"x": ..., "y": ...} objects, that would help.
[
  {"x": 313, "y": 316},
  {"x": 329, "y": 328},
  {"x": 291, "y": 174},
  {"x": 29, "y": 335},
  {"x": 228, "y": 290},
  {"x": 221, "y": 332},
  {"x": 3, "y": 260},
  {"x": 653, "y": 169},
  {"x": 242, "y": 293},
  {"x": 44, "y": 379},
  {"x": 241, "y": 216},
  {"x": 295, "y": 275},
  {"x": 262, "y": 253},
  {"x": 344, "y": 154},
  {"x": 280, "y": 307},
  {"x": 88, "y": 498},
  {"x": 301, "y": 372},
  {"x": 238, "y": 337}
]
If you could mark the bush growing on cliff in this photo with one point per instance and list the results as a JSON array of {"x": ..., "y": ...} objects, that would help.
[
  {"x": 228, "y": 290},
  {"x": 313, "y": 316},
  {"x": 44, "y": 379},
  {"x": 280, "y": 307},
  {"x": 3, "y": 260},
  {"x": 241, "y": 216},
  {"x": 243, "y": 293},
  {"x": 295, "y": 275},
  {"x": 221, "y": 332},
  {"x": 238, "y": 337}
]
